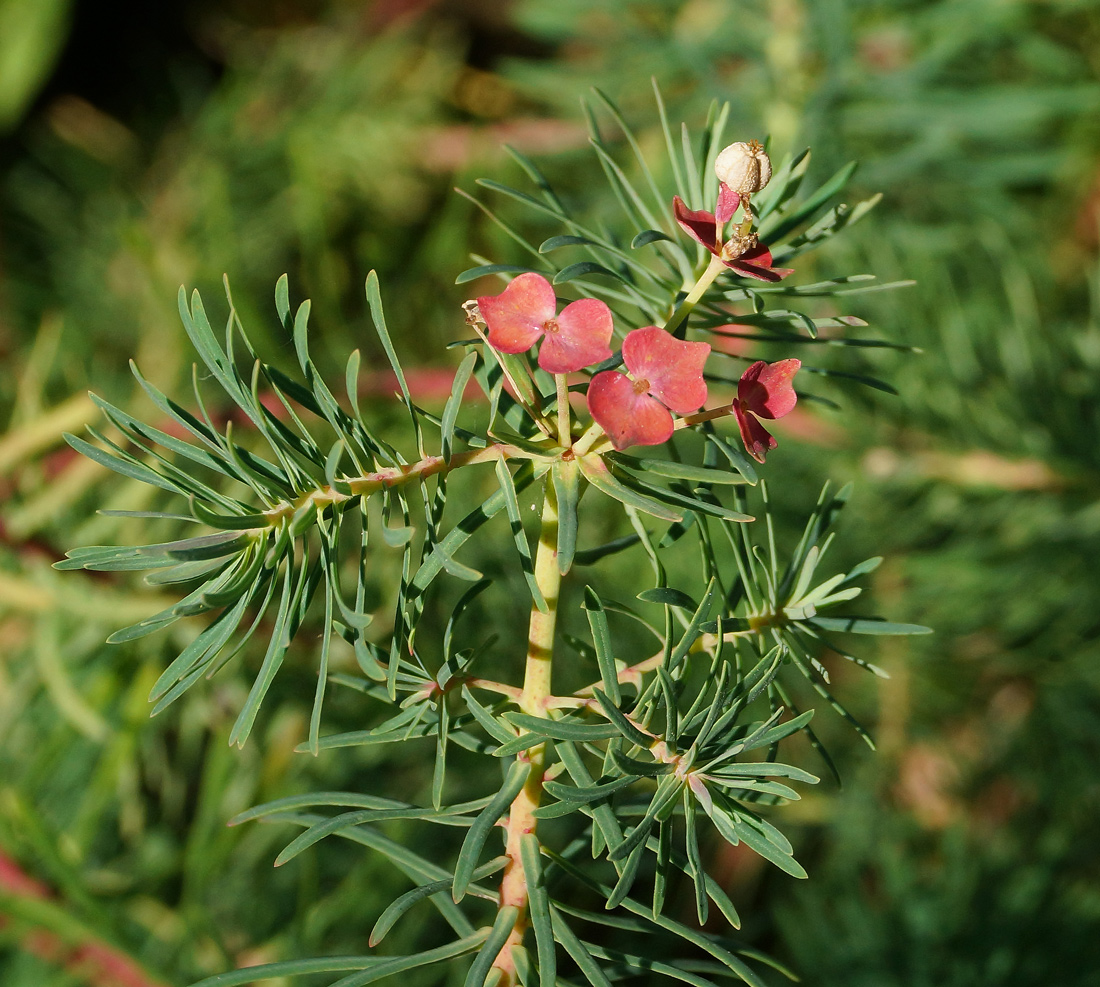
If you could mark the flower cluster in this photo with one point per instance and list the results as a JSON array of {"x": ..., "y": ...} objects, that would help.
[{"x": 664, "y": 374}]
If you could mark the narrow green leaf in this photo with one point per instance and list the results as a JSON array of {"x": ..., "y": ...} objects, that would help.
[
  {"x": 483, "y": 826},
  {"x": 208, "y": 643},
  {"x": 301, "y": 334},
  {"x": 589, "y": 793},
  {"x": 649, "y": 236},
  {"x": 491, "y": 724},
  {"x": 454, "y": 402},
  {"x": 567, "y": 240},
  {"x": 519, "y": 536},
  {"x": 774, "y": 232},
  {"x": 736, "y": 456},
  {"x": 694, "y": 629},
  {"x": 313, "y": 799},
  {"x": 640, "y": 769},
  {"x": 228, "y": 522},
  {"x": 667, "y": 596},
  {"x": 473, "y": 273},
  {"x": 389, "y": 968},
  {"x": 462, "y": 531},
  {"x": 539, "y": 910},
  {"x": 601, "y": 640},
  {"x": 519, "y": 744},
  {"x": 374, "y": 302},
  {"x": 447, "y": 815},
  {"x": 633, "y": 862},
  {"x": 567, "y": 490},
  {"x": 288, "y": 968},
  {"x": 772, "y": 735},
  {"x": 631, "y": 964},
  {"x": 752, "y": 837},
  {"x": 596, "y": 472},
  {"x": 276, "y": 650},
  {"x": 563, "y": 729},
  {"x": 397, "y": 908},
  {"x": 521, "y": 197},
  {"x": 680, "y": 471},
  {"x": 621, "y": 723},
  {"x": 867, "y": 625},
  {"x": 697, "y": 504},
  {"x": 282, "y": 301},
  {"x": 134, "y": 470},
  {"x": 584, "y": 269},
  {"x": 577, "y": 951}
]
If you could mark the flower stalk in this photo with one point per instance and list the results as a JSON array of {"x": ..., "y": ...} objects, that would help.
[{"x": 679, "y": 318}]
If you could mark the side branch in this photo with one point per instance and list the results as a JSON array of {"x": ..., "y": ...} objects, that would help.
[{"x": 393, "y": 476}]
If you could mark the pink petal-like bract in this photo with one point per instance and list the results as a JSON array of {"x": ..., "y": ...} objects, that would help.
[
  {"x": 673, "y": 367},
  {"x": 758, "y": 440},
  {"x": 698, "y": 223},
  {"x": 582, "y": 337},
  {"x": 766, "y": 389},
  {"x": 628, "y": 418},
  {"x": 727, "y": 204},
  {"x": 516, "y": 316}
]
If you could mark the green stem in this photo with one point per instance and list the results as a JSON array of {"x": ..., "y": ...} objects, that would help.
[
  {"x": 532, "y": 700},
  {"x": 393, "y": 476},
  {"x": 565, "y": 436},
  {"x": 687, "y": 306}
]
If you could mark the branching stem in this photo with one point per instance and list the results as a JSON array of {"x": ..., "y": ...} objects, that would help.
[
  {"x": 532, "y": 700},
  {"x": 393, "y": 476}
]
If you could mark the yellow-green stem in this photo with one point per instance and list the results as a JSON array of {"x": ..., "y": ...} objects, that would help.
[
  {"x": 564, "y": 435},
  {"x": 592, "y": 434},
  {"x": 392, "y": 476},
  {"x": 536, "y": 690},
  {"x": 687, "y": 306}
]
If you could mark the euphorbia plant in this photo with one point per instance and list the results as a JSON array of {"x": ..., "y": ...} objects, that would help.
[{"x": 662, "y": 746}]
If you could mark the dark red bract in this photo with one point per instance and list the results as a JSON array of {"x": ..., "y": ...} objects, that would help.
[
  {"x": 740, "y": 253},
  {"x": 765, "y": 390}
]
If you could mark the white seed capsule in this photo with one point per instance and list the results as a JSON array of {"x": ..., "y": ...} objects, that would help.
[{"x": 744, "y": 167}]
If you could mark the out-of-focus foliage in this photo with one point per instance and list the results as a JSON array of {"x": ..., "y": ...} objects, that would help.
[
  {"x": 325, "y": 144},
  {"x": 30, "y": 36}
]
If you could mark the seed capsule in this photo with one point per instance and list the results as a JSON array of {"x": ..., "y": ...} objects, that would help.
[{"x": 744, "y": 167}]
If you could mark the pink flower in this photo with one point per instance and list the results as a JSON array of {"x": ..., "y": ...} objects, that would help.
[
  {"x": 526, "y": 310},
  {"x": 667, "y": 375},
  {"x": 741, "y": 252},
  {"x": 764, "y": 391}
]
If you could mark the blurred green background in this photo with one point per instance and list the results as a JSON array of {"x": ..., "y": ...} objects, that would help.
[{"x": 147, "y": 145}]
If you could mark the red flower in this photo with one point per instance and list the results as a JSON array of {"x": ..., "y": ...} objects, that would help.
[
  {"x": 668, "y": 374},
  {"x": 764, "y": 390},
  {"x": 526, "y": 310},
  {"x": 741, "y": 252}
]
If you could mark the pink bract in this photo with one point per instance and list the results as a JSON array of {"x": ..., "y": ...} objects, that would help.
[
  {"x": 667, "y": 374},
  {"x": 765, "y": 390},
  {"x": 705, "y": 228},
  {"x": 525, "y": 310}
]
